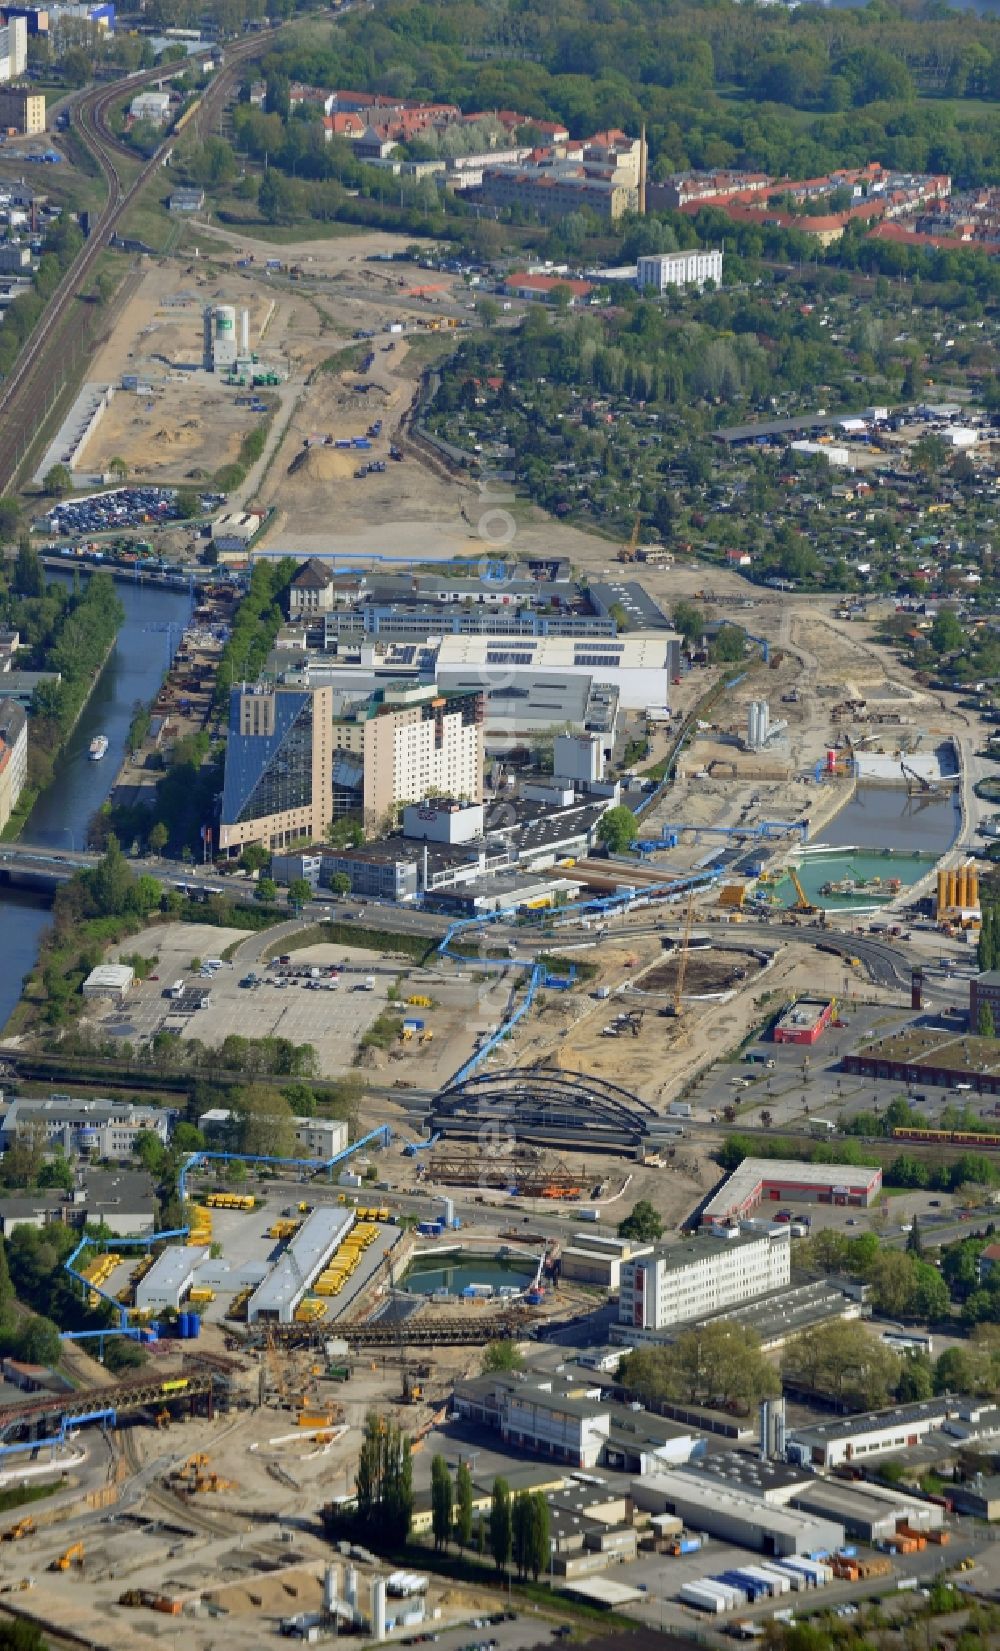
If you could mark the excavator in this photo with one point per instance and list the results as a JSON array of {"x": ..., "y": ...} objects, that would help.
[
  {"x": 17, "y": 1533},
  {"x": 66, "y": 1561}
]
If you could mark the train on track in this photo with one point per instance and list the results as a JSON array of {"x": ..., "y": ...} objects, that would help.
[{"x": 948, "y": 1137}]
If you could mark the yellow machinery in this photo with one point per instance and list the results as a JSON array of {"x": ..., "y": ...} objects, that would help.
[
  {"x": 802, "y": 903},
  {"x": 419, "y": 1002},
  {"x": 72, "y": 1556},
  {"x": 732, "y": 896},
  {"x": 683, "y": 959},
  {"x": 628, "y": 552},
  {"x": 17, "y": 1533}
]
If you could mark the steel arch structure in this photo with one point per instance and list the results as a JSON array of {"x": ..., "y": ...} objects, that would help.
[{"x": 544, "y": 1103}]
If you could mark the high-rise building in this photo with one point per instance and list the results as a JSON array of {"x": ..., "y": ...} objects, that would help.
[
  {"x": 23, "y": 108},
  {"x": 291, "y": 767},
  {"x": 683, "y": 1282},
  {"x": 279, "y": 766},
  {"x": 13, "y": 48}
]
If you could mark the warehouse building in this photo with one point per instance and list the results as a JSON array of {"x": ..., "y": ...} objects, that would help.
[
  {"x": 682, "y": 1282},
  {"x": 804, "y": 1021},
  {"x": 638, "y": 667},
  {"x": 170, "y": 1277},
  {"x": 772, "y": 1180},
  {"x": 111, "y": 980},
  {"x": 867, "y": 1511},
  {"x": 980, "y": 1498},
  {"x": 275, "y": 1301},
  {"x": 875, "y": 1433},
  {"x": 735, "y": 1515},
  {"x": 593, "y": 1259}
]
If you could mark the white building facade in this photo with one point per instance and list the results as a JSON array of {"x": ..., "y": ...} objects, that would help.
[
  {"x": 660, "y": 270},
  {"x": 685, "y": 1282}
]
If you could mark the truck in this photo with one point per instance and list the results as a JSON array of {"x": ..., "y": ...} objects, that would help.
[{"x": 176, "y": 990}]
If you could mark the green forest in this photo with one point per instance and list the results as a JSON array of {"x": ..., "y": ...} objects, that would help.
[{"x": 795, "y": 93}]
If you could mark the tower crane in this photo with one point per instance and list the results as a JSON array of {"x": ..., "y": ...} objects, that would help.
[
  {"x": 628, "y": 552},
  {"x": 683, "y": 960}
]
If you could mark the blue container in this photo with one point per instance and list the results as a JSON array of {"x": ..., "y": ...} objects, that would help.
[
  {"x": 182, "y": 1326},
  {"x": 194, "y": 1326}
]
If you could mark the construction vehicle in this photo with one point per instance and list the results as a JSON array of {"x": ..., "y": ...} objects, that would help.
[
  {"x": 802, "y": 904},
  {"x": 412, "y": 1390},
  {"x": 151, "y": 1600},
  {"x": 72, "y": 1556},
  {"x": 17, "y": 1533},
  {"x": 628, "y": 552},
  {"x": 419, "y": 1002}
]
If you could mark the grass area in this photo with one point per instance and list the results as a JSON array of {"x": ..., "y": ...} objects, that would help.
[
  {"x": 430, "y": 348},
  {"x": 290, "y": 234},
  {"x": 384, "y": 1031},
  {"x": 149, "y": 221},
  {"x": 19, "y": 1495},
  {"x": 344, "y": 361}
]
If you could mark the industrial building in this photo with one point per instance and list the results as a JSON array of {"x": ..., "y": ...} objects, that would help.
[
  {"x": 769, "y": 1180},
  {"x": 311, "y": 591},
  {"x": 300, "y": 1263},
  {"x": 592, "y": 1258},
  {"x": 572, "y": 1423},
  {"x": 638, "y": 667},
  {"x": 734, "y": 1515},
  {"x": 876, "y": 1433},
  {"x": 13, "y": 755},
  {"x": 111, "y": 980},
  {"x": 104, "y": 1129},
  {"x": 170, "y": 1277},
  {"x": 151, "y": 106},
  {"x": 805, "y": 1020},
  {"x": 234, "y": 532},
  {"x": 872, "y": 1513},
  {"x": 683, "y": 1282},
  {"x": 123, "y": 1200},
  {"x": 221, "y": 350}
]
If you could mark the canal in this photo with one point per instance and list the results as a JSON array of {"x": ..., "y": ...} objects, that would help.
[{"x": 151, "y": 630}]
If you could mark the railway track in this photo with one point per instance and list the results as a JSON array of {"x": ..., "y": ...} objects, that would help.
[{"x": 27, "y": 393}]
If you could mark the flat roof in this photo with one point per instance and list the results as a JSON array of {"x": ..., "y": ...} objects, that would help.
[
  {"x": 301, "y": 1260},
  {"x": 927, "y": 1411},
  {"x": 693, "y": 1490},
  {"x": 171, "y": 1270},
  {"x": 754, "y": 1174},
  {"x": 704, "y": 1248},
  {"x": 602, "y": 1591},
  {"x": 805, "y": 1011},
  {"x": 111, "y": 974}
]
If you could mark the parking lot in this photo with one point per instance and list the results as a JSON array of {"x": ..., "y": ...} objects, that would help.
[
  {"x": 122, "y": 507},
  {"x": 331, "y": 1010}
]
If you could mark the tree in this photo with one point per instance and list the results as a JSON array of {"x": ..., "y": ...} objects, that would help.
[
  {"x": 843, "y": 1360},
  {"x": 110, "y": 882},
  {"x": 729, "y": 645},
  {"x": 255, "y": 857},
  {"x": 57, "y": 1171},
  {"x": 10, "y": 517},
  {"x": 946, "y": 634},
  {"x": 299, "y": 891},
  {"x": 463, "y": 1502},
  {"x": 442, "y": 1501},
  {"x": 538, "y": 1534},
  {"x": 340, "y": 883},
  {"x": 914, "y": 1242},
  {"x": 187, "y": 504},
  {"x": 503, "y": 1355},
  {"x": 384, "y": 1482},
  {"x": 57, "y": 480},
  {"x": 521, "y": 1532},
  {"x": 6, "y": 1287},
  {"x": 488, "y": 311},
  {"x": 29, "y": 575},
  {"x": 158, "y": 837},
  {"x": 501, "y": 1525},
  {"x": 264, "y": 1124},
  {"x": 643, "y": 1224},
  {"x": 616, "y": 829},
  {"x": 714, "y": 1364},
  {"x": 39, "y": 1342},
  {"x": 266, "y": 891},
  {"x": 688, "y": 621},
  {"x": 985, "y": 1025},
  {"x": 892, "y": 1284}
]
